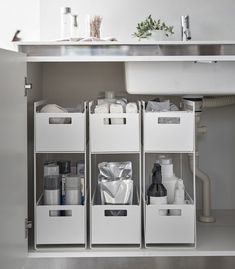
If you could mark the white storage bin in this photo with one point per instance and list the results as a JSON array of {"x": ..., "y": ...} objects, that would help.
[
  {"x": 52, "y": 230},
  {"x": 114, "y": 137},
  {"x": 169, "y": 131},
  {"x": 160, "y": 229},
  {"x": 115, "y": 230},
  {"x": 67, "y": 137}
]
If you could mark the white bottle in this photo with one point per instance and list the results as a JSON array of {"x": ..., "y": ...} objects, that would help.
[
  {"x": 65, "y": 23},
  {"x": 179, "y": 197},
  {"x": 169, "y": 179},
  {"x": 74, "y": 26}
]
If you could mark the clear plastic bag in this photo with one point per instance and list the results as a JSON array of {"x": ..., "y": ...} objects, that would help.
[{"x": 115, "y": 182}]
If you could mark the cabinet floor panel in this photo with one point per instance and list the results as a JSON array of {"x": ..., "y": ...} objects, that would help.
[{"x": 215, "y": 239}]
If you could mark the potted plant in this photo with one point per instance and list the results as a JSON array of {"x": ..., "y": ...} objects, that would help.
[{"x": 150, "y": 28}]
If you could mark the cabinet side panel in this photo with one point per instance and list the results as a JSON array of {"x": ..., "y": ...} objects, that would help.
[{"x": 34, "y": 75}]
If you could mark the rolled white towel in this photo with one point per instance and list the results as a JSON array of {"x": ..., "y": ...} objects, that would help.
[
  {"x": 116, "y": 108},
  {"x": 103, "y": 108},
  {"x": 53, "y": 108},
  {"x": 131, "y": 108}
]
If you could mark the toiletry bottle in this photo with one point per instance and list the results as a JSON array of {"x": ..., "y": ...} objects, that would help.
[
  {"x": 72, "y": 190},
  {"x": 157, "y": 193},
  {"x": 179, "y": 197},
  {"x": 169, "y": 179},
  {"x": 51, "y": 195},
  {"x": 65, "y": 23},
  {"x": 65, "y": 169}
]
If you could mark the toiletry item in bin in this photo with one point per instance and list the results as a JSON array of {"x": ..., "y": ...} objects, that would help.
[
  {"x": 65, "y": 169},
  {"x": 51, "y": 169},
  {"x": 157, "y": 193},
  {"x": 179, "y": 197},
  {"x": 81, "y": 175},
  {"x": 73, "y": 168},
  {"x": 116, "y": 108},
  {"x": 115, "y": 182},
  {"x": 169, "y": 179},
  {"x": 103, "y": 108},
  {"x": 131, "y": 108},
  {"x": 72, "y": 190},
  {"x": 53, "y": 108},
  {"x": 51, "y": 195},
  {"x": 161, "y": 106},
  {"x": 153, "y": 106}
]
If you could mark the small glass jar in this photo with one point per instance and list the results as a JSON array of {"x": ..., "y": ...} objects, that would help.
[{"x": 94, "y": 26}]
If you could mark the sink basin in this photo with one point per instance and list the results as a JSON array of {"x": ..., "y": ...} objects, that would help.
[{"x": 164, "y": 68}]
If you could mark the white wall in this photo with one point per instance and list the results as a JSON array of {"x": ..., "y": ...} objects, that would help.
[
  {"x": 15, "y": 14},
  {"x": 210, "y": 19}
]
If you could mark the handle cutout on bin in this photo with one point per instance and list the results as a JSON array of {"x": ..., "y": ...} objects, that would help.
[
  {"x": 168, "y": 120},
  {"x": 60, "y": 120},
  {"x": 176, "y": 212},
  {"x": 115, "y": 213},
  {"x": 60, "y": 213},
  {"x": 114, "y": 121}
]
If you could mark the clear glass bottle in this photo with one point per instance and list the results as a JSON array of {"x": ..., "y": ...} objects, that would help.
[{"x": 65, "y": 23}]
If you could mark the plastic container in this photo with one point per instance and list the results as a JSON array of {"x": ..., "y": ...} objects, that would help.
[
  {"x": 52, "y": 192},
  {"x": 72, "y": 190}
]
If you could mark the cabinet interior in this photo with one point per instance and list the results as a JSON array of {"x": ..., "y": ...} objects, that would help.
[{"x": 68, "y": 84}]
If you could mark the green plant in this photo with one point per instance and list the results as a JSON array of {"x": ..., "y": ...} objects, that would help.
[{"x": 145, "y": 28}]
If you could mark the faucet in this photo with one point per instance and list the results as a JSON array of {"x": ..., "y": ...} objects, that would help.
[{"x": 185, "y": 28}]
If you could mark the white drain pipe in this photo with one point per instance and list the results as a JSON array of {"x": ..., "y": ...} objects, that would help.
[
  {"x": 218, "y": 101},
  {"x": 206, "y": 181}
]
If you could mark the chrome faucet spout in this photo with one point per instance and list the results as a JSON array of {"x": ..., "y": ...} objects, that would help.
[{"x": 185, "y": 28}]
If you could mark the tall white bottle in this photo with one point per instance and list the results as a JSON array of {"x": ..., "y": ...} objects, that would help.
[
  {"x": 179, "y": 197},
  {"x": 169, "y": 179},
  {"x": 65, "y": 23}
]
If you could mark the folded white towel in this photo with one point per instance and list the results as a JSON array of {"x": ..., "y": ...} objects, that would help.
[{"x": 131, "y": 108}]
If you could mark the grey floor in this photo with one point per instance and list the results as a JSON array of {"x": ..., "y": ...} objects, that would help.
[{"x": 133, "y": 263}]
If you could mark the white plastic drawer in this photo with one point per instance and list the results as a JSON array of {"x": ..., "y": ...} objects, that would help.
[
  {"x": 169, "y": 131},
  {"x": 115, "y": 137},
  {"x": 162, "y": 229},
  {"x": 60, "y": 229},
  {"x": 60, "y": 137},
  {"x": 115, "y": 229}
]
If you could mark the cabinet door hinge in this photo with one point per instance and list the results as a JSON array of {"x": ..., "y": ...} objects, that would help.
[
  {"x": 27, "y": 87},
  {"x": 28, "y": 225}
]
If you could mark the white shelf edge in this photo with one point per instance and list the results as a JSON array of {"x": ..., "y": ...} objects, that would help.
[
  {"x": 125, "y": 42},
  {"x": 128, "y": 58},
  {"x": 128, "y": 253}
]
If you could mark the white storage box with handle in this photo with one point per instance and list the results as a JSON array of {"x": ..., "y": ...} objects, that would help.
[
  {"x": 113, "y": 229},
  {"x": 171, "y": 131},
  {"x": 52, "y": 135},
  {"x": 114, "y": 137},
  {"x": 65, "y": 227},
  {"x": 170, "y": 229}
]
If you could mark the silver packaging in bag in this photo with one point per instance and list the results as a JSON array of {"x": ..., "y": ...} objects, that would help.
[{"x": 115, "y": 182}]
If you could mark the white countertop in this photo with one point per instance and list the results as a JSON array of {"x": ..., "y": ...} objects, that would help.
[{"x": 136, "y": 42}]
